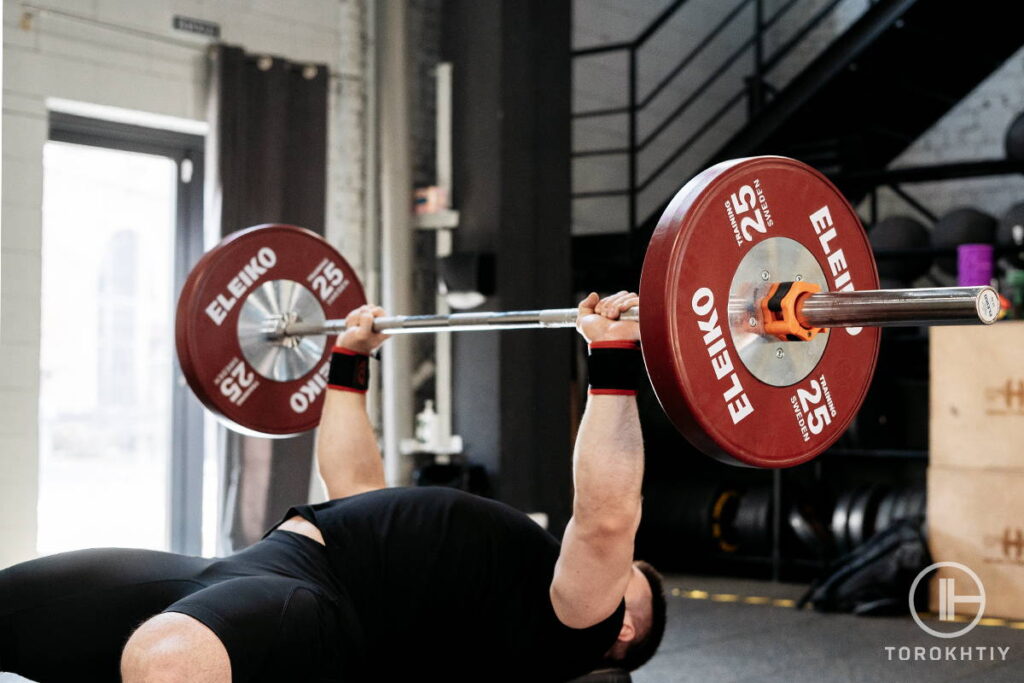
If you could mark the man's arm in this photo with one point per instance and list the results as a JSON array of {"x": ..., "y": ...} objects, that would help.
[
  {"x": 595, "y": 563},
  {"x": 347, "y": 453}
]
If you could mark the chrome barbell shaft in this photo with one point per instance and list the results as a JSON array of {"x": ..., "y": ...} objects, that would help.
[
  {"x": 455, "y": 322},
  {"x": 873, "y": 308}
]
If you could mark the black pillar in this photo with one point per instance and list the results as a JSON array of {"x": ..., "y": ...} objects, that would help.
[{"x": 511, "y": 130}]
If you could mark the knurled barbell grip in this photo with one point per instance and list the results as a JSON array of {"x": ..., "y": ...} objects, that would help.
[{"x": 455, "y": 322}]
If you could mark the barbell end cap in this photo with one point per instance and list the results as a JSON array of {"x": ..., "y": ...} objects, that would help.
[{"x": 988, "y": 305}]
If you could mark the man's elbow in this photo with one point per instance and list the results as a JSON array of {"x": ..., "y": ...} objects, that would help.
[
  {"x": 342, "y": 485},
  {"x": 607, "y": 523}
]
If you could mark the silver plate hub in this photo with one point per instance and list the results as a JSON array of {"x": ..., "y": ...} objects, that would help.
[
  {"x": 273, "y": 303},
  {"x": 774, "y": 362}
]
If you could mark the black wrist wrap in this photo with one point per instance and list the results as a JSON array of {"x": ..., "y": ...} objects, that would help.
[
  {"x": 350, "y": 371},
  {"x": 615, "y": 367}
]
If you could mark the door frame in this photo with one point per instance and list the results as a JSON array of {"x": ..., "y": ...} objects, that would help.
[{"x": 187, "y": 421}]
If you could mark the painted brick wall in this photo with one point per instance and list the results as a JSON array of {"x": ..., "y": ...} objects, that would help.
[
  {"x": 47, "y": 55},
  {"x": 601, "y": 81},
  {"x": 974, "y": 129}
]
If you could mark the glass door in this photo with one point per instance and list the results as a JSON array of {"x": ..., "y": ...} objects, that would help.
[{"x": 120, "y": 445}]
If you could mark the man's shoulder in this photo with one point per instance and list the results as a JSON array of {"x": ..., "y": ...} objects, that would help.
[
  {"x": 426, "y": 495},
  {"x": 455, "y": 509}
]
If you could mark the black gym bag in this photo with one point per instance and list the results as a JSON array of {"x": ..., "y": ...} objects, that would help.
[{"x": 875, "y": 578}]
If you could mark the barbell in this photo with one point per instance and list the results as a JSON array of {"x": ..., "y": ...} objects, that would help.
[{"x": 759, "y": 316}]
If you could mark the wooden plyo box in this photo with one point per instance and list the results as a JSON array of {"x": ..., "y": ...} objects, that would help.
[
  {"x": 976, "y": 417},
  {"x": 976, "y": 518}
]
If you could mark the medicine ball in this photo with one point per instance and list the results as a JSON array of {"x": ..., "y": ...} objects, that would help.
[
  {"x": 901, "y": 232},
  {"x": 1014, "y": 141},
  {"x": 1010, "y": 235},
  {"x": 961, "y": 226}
]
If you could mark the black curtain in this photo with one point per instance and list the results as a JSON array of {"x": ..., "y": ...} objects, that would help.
[{"x": 268, "y": 148}]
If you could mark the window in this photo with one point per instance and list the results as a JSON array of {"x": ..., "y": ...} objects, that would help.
[{"x": 121, "y": 439}]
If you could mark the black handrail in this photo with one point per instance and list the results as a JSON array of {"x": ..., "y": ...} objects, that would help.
[
  {"x": 599, "y": 49},
  {"x": 658, "y": 22},
  {"x": 601, "y": 112},
  {"x": 700, "y": 89},
  {"x": 708, "y": 82},
  {"x": 754, "y": 40},
  {"x": 642, "y": 104},
  {"x": 600, "y": 193},
  {"x": 786, "y": 48},
  {"x": 694, "y": 52},
  {"x": 681, "y": 149},
  {"x": 648, "y": 31},
  {"x": 601, "y": 152},
  {"x": 754, "y": 90}
]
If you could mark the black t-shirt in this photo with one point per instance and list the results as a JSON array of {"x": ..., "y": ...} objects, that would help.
[{"x": 442, "y": 580}]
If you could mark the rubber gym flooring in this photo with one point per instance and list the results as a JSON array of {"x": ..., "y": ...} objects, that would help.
[{"x": 726, "y": 630}]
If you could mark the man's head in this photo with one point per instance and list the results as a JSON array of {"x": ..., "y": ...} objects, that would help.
[{"x": 644, "y": 623}]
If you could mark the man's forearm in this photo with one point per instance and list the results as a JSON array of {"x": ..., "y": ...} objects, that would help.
[
  {"x": 608, "y": 463},
  {"x": 346, "y": 446}
]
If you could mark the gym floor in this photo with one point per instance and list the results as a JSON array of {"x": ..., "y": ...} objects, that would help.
[{"x": 727, "y": 630}]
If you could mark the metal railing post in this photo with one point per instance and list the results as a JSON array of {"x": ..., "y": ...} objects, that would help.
[
  {"x": 755, "y": 84},
  {"x": 633, "y": 151}
]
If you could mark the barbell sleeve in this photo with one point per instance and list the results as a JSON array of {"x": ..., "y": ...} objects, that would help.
[{"x": 900, "y": 307}]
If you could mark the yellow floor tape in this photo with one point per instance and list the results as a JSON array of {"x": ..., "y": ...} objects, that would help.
[{"x": 787, "y": 602}]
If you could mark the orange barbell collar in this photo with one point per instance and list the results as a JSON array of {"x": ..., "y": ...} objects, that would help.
[{"x": 780, "y": 311}]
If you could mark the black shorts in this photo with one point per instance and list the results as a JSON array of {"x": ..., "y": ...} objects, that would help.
[{"x": 275, "y": 606}]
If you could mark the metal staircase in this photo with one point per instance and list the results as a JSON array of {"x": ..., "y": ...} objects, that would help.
[{"x": 845, "y": 86}]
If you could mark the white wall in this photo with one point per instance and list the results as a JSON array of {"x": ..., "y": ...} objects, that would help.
[{"x": 47, "y": 55}]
